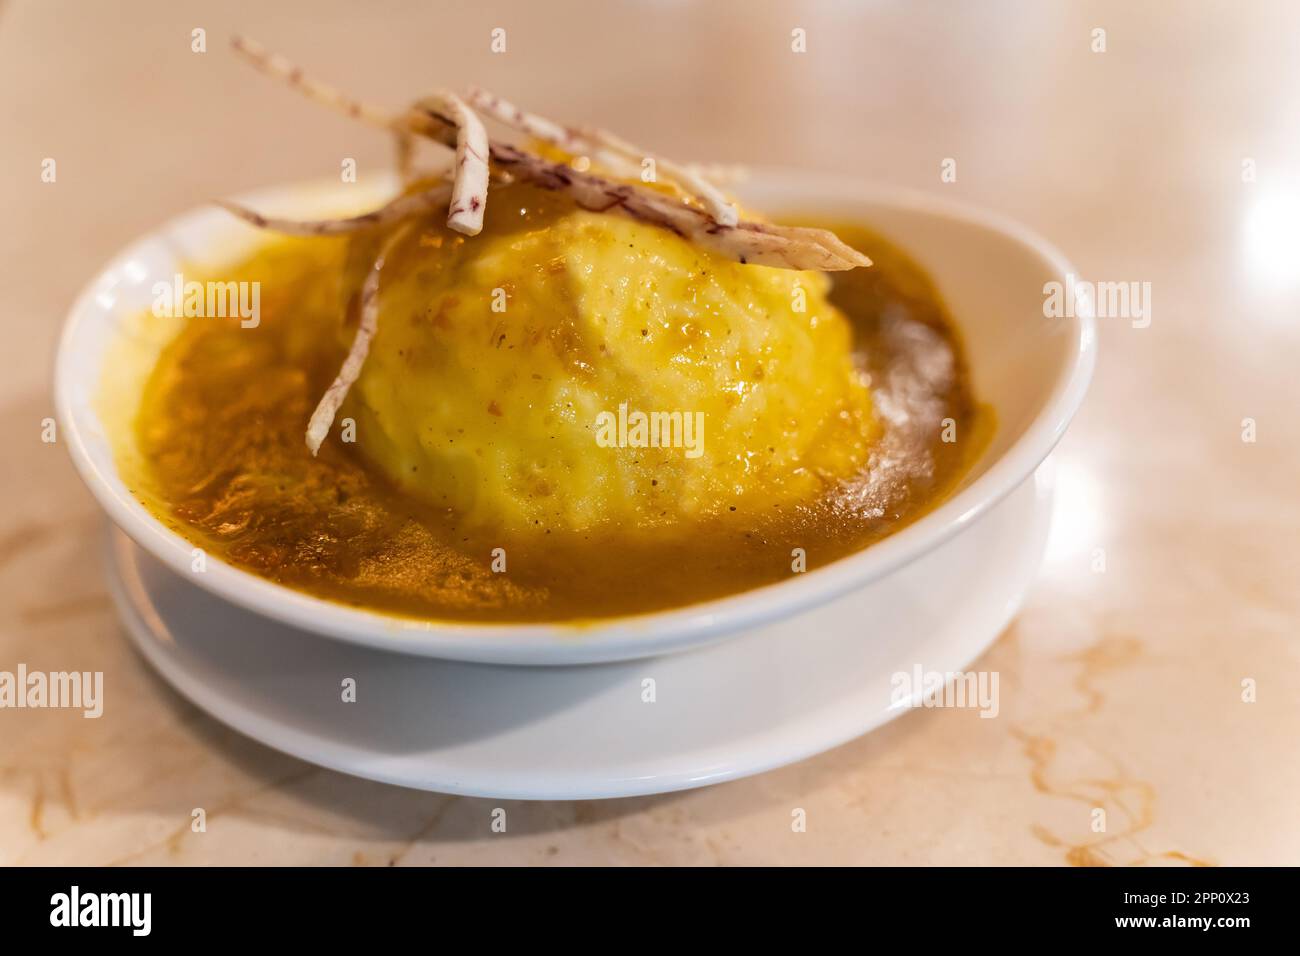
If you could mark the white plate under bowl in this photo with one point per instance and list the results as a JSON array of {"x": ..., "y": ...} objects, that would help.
[
  {"x": 786, "y": 691},
  {"x": 1031, "y": 369}
]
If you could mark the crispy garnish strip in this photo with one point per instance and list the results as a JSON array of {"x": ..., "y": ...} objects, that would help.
[
  {"x": 539, "y": 127},
  {"x": 403, "y": 207},
  {"x": 753, "y": 243},
  {"x": 469, "y": 191},
  {"x": 275, "y": 65},
  {"x": 323, "y": 417},
  {"x": 822, "y": 237},
  {"x": 448, "y": 120},
  {"x": 709, "y": 196},
  {"x": 469, "y": 194},
  {"x": 604, "y": 148}
]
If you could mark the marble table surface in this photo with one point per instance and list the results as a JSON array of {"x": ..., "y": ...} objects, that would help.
[{"x": 1172, "y": 157}]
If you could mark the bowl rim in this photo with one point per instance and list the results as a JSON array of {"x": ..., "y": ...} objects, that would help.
[{"x": 619, "y": 638}]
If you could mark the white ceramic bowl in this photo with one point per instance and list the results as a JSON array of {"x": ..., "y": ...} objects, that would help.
[{"x": 991, "y": 272}]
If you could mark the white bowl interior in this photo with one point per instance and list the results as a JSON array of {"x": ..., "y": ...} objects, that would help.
[{"x": 1033, "y": 371}]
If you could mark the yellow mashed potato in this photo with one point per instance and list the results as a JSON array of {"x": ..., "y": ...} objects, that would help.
[{"x": 508, "y": 371}]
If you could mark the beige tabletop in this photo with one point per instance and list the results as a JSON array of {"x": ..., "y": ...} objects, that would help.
[{"x": 1164, "y": 689}]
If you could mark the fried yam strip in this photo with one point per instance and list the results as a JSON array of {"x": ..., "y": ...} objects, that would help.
[
  {"x": 548, "y": 131},
  {"x": 323, "y": 417},
  {"x": 447, "y": 119},
  {"x": 277, "y": 66},
  {"x": 403, "y": 207},
  {"x": 751, "y": 243},
  {"x": 618, "y": 156},
  {"x": 470, "y": 188}
]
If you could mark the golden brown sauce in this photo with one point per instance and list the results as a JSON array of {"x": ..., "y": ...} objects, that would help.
[{"x": 221, "y": 432}]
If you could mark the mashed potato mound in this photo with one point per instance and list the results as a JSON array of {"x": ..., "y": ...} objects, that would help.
[{"x": 494, "y": 384}]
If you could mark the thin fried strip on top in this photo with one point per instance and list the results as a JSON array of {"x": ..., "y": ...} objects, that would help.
[
  {"x": 403, "y": 207},
  {"x": 276, "y": 65},
  {"x": 748, "y": 243},
  {"x": 606, "y": 149},
  {"x": 470, "y": 189},
  {"x": 323, "y": 417}
]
